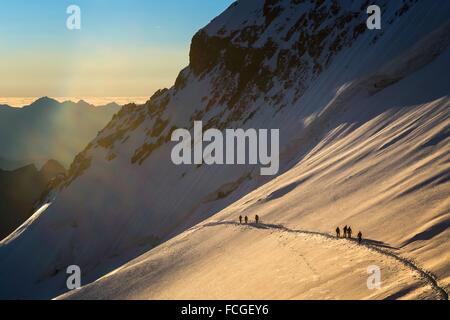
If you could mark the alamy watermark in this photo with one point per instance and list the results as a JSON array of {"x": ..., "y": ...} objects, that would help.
[
  {"x": 227, "y": 149},
  {"x": 73, "y": 282},
  {"x": 374, "y": 279},
  {"x": 73, "y": 22},
  {"x": 374, "y": 20}
]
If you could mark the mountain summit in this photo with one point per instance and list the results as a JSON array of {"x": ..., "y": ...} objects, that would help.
[
  {"x": 43, "y": 102},
  {"x": 47, "y": 129}
]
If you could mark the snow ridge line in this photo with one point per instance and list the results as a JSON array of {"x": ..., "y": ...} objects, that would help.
[{"x": 425, "y": 275}]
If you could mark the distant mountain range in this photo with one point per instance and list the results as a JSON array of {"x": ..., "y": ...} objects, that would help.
[
  {"x": 48, "y": 129},
  {"x": 20, "y": 189}
]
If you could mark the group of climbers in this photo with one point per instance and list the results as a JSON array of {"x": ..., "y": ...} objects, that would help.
[
  {"x": 348, "y": 233},
  {"x": 347, "y": 229},
  {"x": 246, "y": 219}
]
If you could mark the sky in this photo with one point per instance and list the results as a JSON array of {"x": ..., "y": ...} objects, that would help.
[{"x": 124, "y": 48}]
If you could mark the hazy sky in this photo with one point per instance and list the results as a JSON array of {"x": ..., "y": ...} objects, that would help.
[{"x": 124, "y": 47}]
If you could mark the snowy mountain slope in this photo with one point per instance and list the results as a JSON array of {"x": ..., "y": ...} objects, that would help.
[
  {"x": 310, "y": 69},
  {"x": 259, "y": 262},
  {"x": 379, "y": 192},
  {"x": 385, "y": 174}
]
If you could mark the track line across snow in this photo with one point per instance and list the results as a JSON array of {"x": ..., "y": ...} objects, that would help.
[{"x": 378, "y": 247}]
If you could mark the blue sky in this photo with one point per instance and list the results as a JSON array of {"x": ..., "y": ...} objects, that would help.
[{"x": 124, "y": 47}]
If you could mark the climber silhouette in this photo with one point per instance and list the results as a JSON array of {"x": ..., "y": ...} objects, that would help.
[
  {"x": 338, "y": 232},
  {"x": 240, "y": 219},
  {"x": 349, "y": 232},
  {"x": 257, "y": 219},
  {"x": 345, "y": 231},
  {"x": 246, "y": 219},
  {"x": 360, "y": 237}
]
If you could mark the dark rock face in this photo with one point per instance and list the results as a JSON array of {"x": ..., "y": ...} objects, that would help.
[
  {"x": 290, "y": 45},
  {"x": 21, "y": 190}
]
